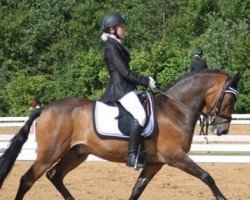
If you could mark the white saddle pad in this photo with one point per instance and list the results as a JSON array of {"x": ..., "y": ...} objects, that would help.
[{"x": 106, "y": 125}]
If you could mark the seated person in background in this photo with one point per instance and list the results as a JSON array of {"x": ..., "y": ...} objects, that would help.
[{"x": 198, "y": 64}]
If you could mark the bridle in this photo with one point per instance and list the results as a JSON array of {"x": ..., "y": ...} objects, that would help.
[
  {"x": 215, "y": 112},
  {"x": 209, "y": 118}
]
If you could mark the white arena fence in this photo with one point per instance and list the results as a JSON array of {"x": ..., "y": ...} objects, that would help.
[{"x": 210, "y": 148}]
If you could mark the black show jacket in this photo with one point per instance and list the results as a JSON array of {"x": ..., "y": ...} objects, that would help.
[
  {"x": 198, "y": 65},
  {"x": 122, "y": 79}
]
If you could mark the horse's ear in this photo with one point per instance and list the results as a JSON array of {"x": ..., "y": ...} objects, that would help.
[{"x": 234, "y": 80}]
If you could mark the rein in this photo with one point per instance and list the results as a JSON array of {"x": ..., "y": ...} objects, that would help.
[
  {"x": 210, "y": 117},
  {"x": 187, "y": 106}
]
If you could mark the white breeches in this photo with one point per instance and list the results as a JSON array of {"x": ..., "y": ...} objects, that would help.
[{"x": 133, "y": 105}]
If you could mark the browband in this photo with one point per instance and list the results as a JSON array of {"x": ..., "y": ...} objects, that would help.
[{"x": 233, "y": 91}]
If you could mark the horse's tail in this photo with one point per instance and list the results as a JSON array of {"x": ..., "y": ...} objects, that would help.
[{"x": 9, "y": 157}]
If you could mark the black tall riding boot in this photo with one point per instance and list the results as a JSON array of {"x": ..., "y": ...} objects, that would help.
[{"x": 134, "y": 141}]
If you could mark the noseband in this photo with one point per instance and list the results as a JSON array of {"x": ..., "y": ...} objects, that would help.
[{"x": 215, "y": 112}]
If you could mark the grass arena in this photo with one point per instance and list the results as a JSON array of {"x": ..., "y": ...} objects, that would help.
[{"x": 114, "y": 181}]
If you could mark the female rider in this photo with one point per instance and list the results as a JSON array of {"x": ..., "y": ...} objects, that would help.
[{"x": 122, "y": 83}]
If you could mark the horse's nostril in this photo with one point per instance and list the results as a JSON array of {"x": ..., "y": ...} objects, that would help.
[{"x": 225, "y": 132}]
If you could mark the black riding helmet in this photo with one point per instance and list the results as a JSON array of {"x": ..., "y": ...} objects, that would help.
[
  {"x": 112, "y": 20},
  {"x": 198, "y": 52}
]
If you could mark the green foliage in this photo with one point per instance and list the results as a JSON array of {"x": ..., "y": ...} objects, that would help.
[
  {"x": 22, "y": 90},
  {"x": 81, "y": 78},
  {"x": 51, "y": 49}
]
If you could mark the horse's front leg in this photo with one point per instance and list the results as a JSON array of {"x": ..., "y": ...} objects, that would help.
[
  {"x": 186, "y": 164},
  {"x": 145, "y": 177}
]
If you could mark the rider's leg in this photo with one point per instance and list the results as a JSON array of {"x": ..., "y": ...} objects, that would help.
[
  {"x": 134, "y": 142},
  {"x": 132, "y": 104}
]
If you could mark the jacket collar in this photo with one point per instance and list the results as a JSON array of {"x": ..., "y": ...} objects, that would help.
[
  {"x": 111, "y": 39},
  {"x": 114, "y": 37}
]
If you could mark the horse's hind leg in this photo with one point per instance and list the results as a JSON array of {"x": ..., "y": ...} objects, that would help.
[
  {"x": 145, "y": 177},
  {"x": 70, "y": 160},
  {"x": 184, "y": 163},
  {"x": 31, "y": 176}
]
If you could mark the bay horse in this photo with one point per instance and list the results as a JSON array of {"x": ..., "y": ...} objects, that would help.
[{"x": 177, "y": 109}]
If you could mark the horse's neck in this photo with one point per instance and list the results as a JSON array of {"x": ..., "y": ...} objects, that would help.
[
  {"x": 191, "y": 95},
  {"x": 187, "y": 101}
]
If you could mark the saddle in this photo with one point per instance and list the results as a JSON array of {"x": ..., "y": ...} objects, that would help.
[
  {"x": 114, "y": 122},
  {"x": 125, "y": 118}
]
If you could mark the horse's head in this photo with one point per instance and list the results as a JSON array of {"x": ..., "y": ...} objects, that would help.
[{"x": 219, "y": 104}]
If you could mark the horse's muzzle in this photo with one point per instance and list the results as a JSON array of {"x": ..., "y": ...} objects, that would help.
[{"x": 221, "y": 129}]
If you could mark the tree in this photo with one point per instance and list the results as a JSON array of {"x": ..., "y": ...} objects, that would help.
[{"x": 56, "y": 47}]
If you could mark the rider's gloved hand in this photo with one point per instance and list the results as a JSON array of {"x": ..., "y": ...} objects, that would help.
[{"x": 152, "y": 83}]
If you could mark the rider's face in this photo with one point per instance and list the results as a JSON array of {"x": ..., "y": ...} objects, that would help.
[{"x": 120, "y": 30}]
